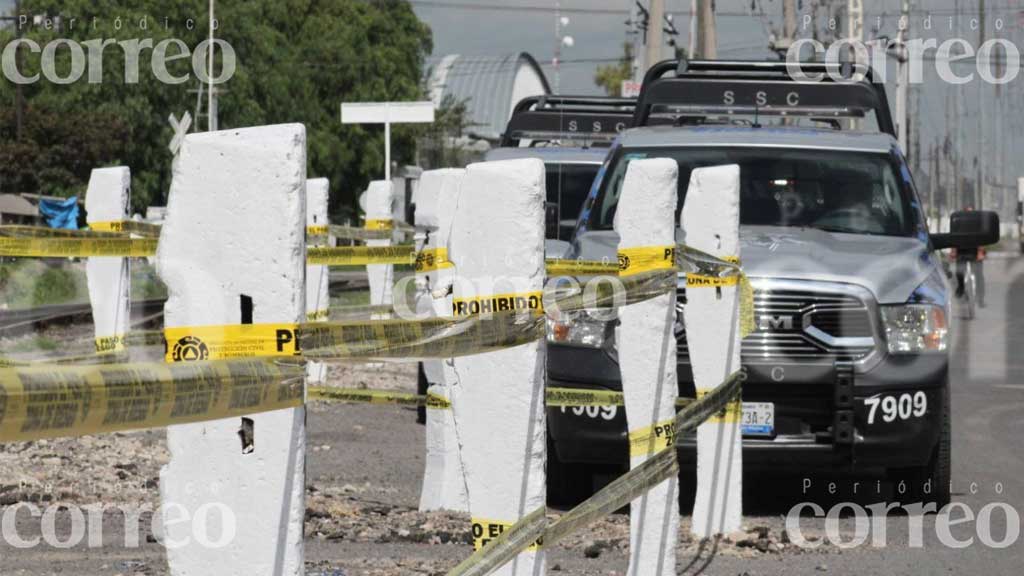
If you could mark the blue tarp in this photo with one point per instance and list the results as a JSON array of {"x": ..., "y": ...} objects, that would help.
[{"x": 60, "y": 213}]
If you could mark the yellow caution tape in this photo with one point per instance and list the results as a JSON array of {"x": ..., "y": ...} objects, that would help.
[
  {"x": 646, "y": 259},
  {"x": 318, "y": 315},
  {"x": 195, "y": 343},
  {"x": 573, "y": 397},
  {"x": 111, "y": 344},
  {"x": 436, "y": 402},
  {"x": 381, "y": 224},
  {"x": 22, "y": 231},
  {"x": 612, "y": 497},
  {"x": 357, "y": 395},
  {"x": 411, "y": 339},
  {"x": 127, "y": 227},
  {"x": 731, "y": 413},
  {"x": 357, "y": 233},
  {"x": 485, "y": 531},
  {"x": 84, "y": 247},
  {"x": 695, "y": 280},
  {"x": 522, "y": 302},
  {"x": 53, "y": 401},
  {"x": 360, "y": 255},
  {"x": 317, "y": 230},
  {"x": 585, "y": 397},
  {"x": 432, "y": 259},
  {"x": 560, "y": 267},
  {"x": 651, "y": 439},
  {"x": 712, "y": 271}
]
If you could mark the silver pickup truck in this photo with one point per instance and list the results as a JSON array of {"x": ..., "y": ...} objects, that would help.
[{"x": 847, "y": 370}]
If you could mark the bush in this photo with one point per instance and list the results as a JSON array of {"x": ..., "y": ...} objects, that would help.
[{"x": 29, "y": 282}]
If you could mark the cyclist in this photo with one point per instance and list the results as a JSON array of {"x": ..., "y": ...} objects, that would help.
[{"x": 977, "y": 256}]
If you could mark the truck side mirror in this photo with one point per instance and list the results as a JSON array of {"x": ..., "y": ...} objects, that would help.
[{"x": 969, "y": 229}]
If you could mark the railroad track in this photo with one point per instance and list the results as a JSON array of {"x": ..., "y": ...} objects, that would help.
[{"x": 28, "y": 320}]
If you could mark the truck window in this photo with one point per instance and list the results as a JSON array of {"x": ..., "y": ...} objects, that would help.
[
  {"x": 568, "y": 186},
  {"x": 832, "y": 190}
]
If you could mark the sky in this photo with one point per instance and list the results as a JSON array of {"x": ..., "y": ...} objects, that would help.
[{"x": 501, "y": 27}]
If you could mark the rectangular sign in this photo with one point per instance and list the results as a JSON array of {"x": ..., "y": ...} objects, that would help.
[
  {"x": 630, "y": 88},
  {"x": 386, "y": 112}
]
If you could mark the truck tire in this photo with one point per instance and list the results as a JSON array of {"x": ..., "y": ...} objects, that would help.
[{"x": 935, "y": 474}]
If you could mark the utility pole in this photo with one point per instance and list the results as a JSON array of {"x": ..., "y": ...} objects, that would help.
[
  {"x": 19, "y": 97},
  {"x": 958, "y": 196},
  {"x": 655, "y": 30},
  {"x": 560, "y": 40},
  {"x": 979, "y": 189},
  {"x": 903, "y": 75},
  {"x": 788, "y": 23},
  {"x": 638, "y": 20},
  {"x": 211, "y": 104},
  {"x": 707, "y": 38},
  {"x": 933, "y": 182},
  {"x": 691, "y": 49}
]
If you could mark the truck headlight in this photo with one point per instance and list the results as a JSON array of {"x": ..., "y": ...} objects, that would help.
[
  {"x": 911, "y": 328},
  {"x": 580, "y": 328}
]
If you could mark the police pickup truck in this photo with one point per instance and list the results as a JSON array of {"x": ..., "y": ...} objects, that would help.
[
  {"x": 847, "y": 370},
  {"x": 571, "y": 135}
]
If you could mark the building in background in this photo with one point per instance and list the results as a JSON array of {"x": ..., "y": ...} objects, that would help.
[
  {"x": 488, "y": 88},
  {"x": 16, "y": 210}
]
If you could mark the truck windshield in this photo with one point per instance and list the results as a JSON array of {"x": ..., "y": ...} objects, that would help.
[{"x": 832, "y": 190}]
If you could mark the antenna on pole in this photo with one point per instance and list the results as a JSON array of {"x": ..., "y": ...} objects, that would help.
[{"x": 211, "y": 103}]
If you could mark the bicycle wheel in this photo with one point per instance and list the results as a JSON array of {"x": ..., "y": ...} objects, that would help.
[{"x": 970, "y": 289}]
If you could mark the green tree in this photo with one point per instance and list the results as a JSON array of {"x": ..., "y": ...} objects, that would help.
[
  {"x": 610, "y": 76},
  {"x": 442, "y": 142},
  {"x": 296, "y": 61}
]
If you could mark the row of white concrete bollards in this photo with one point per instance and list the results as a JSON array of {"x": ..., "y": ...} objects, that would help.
[{"x": 232, "y": 251}]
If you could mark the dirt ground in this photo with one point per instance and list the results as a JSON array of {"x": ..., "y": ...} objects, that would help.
[{"x": 364, "y": 468}]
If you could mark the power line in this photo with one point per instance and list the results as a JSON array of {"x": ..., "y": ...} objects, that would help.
[{"x": 551, "y": 9}]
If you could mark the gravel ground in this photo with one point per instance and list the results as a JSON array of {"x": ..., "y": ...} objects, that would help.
[{"x": 364, "y": 471}]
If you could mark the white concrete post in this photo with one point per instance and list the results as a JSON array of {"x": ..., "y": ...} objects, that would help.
[
  {"x": 645, "y": 222},
  {"x": 234, "y": 236},
  {"x": 318, "y": 299},
  {"x": 498, "y": 397},
  {"x": 444, "y": 484},
  {"x": 109, "y": 278},
  {"x": 710, "y": 222},
  {"x": 380, "y": 198}
]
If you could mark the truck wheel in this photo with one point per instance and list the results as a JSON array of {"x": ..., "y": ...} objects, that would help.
[
  {"x": 935, "y": 475},
  {"x": 568, "y": 484}
]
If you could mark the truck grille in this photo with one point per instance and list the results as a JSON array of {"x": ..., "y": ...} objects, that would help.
[{"x": 799, "y": 325}]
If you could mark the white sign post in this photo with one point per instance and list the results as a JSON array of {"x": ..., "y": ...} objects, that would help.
[{"x": 387, "y": 113}]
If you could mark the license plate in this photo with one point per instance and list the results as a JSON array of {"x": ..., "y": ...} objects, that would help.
[{"x": 758, "y": 419}]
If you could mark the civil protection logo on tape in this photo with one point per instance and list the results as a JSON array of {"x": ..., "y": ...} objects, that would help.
[
  {"x": 432, "y": 259},
  {"x": 646, "y": 259},
  {"x": 195, "y": 343},
  {"x": 190, "y": 349}
]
